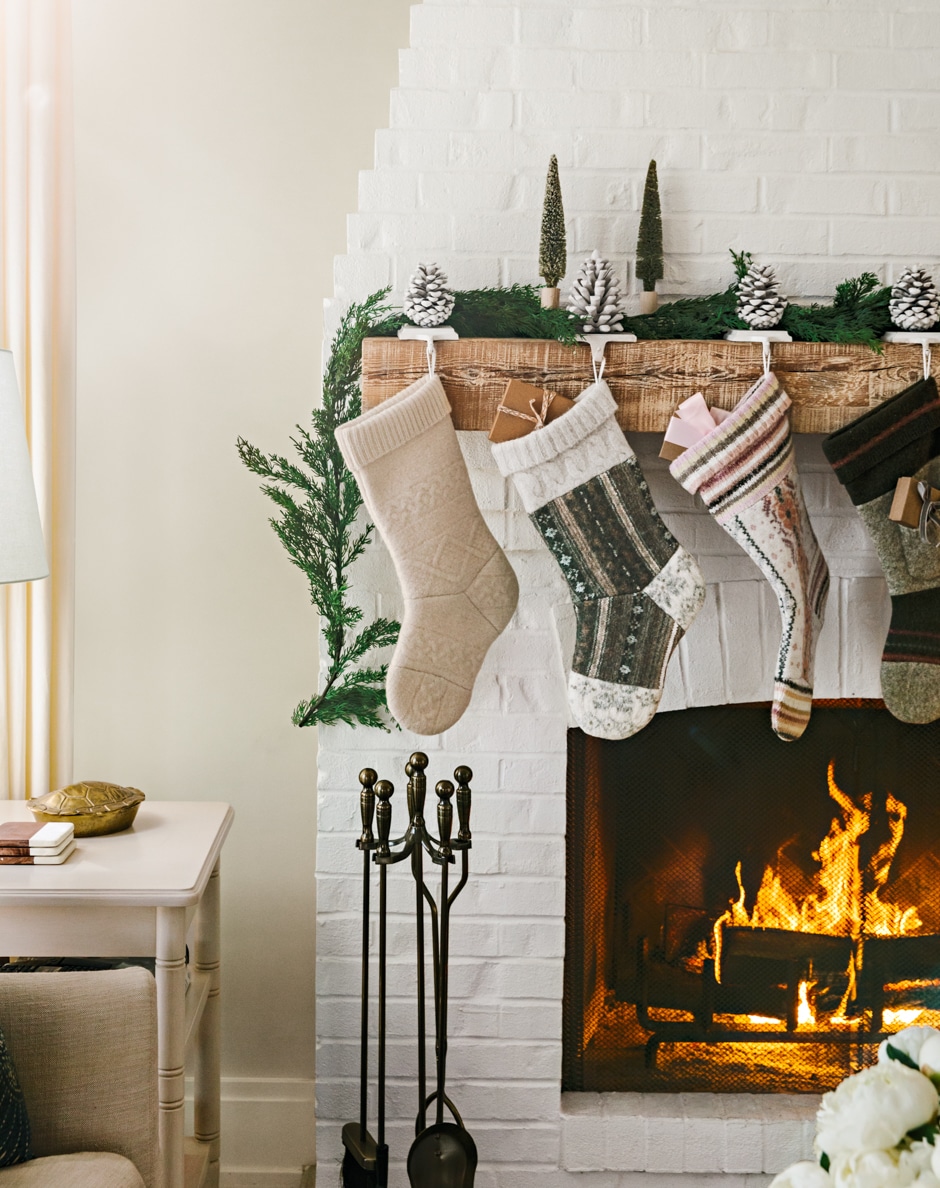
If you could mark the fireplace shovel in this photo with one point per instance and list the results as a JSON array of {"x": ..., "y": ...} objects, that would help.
[{"x": 443, "y": 1155}]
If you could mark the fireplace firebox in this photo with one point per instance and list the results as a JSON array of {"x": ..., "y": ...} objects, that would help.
[{"x": 745, "y": 915}]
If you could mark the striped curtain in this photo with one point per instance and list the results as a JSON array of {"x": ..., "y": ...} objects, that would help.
[{"x": 37, "y": 323}]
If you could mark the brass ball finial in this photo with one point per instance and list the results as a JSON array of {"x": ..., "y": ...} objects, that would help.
[
  {"x": 463, "y": 775},
  {"x": 367, "y": 777},
  {"x": 419, "y": 760}
]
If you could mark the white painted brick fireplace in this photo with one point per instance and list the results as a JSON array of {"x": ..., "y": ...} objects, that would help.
[{"x": 780, "y": 126}]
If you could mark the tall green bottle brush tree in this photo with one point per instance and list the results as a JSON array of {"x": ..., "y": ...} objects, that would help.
[
  {"x": 553, "y": 249},
  {"x": 649, "y": 243}
]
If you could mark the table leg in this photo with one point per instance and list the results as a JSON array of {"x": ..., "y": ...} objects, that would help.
[
  {"x": 171, "y": 1036},
  {"x": 208, "y": 1044}
]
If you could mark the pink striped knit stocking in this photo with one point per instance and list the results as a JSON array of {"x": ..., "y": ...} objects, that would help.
[{"x": 745, "y": 471}]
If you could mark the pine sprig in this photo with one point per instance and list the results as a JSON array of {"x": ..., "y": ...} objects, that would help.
[
  {"x": 514, "y": 312},
  {"x": 318, "y": 503},
  {"x": 859, "y": 313},
  {"x": 690, "y": 317}
]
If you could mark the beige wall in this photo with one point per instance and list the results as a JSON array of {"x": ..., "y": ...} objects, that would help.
[{"x": 218, "y": 143}]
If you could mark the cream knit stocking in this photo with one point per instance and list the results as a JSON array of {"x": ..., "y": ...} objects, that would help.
[{"x": 459, "y": 589}]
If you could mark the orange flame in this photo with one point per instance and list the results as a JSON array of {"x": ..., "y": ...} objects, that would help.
[{"x": 838, "y": 904}]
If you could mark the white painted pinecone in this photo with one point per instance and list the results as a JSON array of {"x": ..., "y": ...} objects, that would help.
[
  {"x": 428, "y": 301},
  {"x": 915, "y": 302},
  {"x": 760, "y": 302},
  {"x": 595, "y": 297}
]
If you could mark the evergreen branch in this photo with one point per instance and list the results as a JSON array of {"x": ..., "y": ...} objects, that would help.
[
  {"x": 689, "y": 317},
  {"x": 319, "y": 503},
  {"x": 515, "y": 312},
  {"x": 742, "y": 262},
  {"x": 358, "y": 699}
]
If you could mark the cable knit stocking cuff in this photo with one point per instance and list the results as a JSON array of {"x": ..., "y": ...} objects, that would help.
[
  {"x": 393, "y": 423},
  {"x": 553, "y": 460},
  {"x": 744, "y": 456}
]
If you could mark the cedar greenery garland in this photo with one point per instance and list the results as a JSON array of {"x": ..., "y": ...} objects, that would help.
[
  {"x": 514, "y": 312},
  {"x": 858, "y": 314},
  {"x": 649, "y": 243},
  {"x": 553, "y": 258},
  {"x": 318, "y": 504}
]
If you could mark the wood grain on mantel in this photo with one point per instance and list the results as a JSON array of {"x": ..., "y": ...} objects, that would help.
[{"x": 830, "y": 384}]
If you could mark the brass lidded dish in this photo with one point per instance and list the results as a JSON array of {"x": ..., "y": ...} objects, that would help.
[{"x": 92, "y": 806}]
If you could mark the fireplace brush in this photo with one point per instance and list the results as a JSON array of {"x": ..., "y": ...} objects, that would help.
[{"x": 443, "y": 1155}]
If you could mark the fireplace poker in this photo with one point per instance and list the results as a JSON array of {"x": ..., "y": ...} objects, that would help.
[{"x": 359, "y": 1157}]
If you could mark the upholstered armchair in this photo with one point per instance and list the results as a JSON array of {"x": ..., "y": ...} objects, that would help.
[{"x": 85, "y": 1050}]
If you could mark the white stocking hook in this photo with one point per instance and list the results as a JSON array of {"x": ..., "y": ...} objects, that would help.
[
  {"x": 430, "y": 335},
  {"x": 913, "y": 337},
  {"x": 764, "y": 337},
  {"x": 598, "y": 344}
]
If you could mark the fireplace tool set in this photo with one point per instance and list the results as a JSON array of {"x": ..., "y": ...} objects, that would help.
[{"x": 443, "y": 1155}]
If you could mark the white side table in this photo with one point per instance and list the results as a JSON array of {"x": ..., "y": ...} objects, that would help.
[{"x": 140, "y": 893}]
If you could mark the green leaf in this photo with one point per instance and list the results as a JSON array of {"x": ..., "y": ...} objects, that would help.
[
  {"x": 900, "y": 1057},
  {"x": 927, "y": 1132},
  {"x": 824, "y": 1161}
]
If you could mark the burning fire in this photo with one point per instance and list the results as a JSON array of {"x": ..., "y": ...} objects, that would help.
[{"x": 845, "y": 899}]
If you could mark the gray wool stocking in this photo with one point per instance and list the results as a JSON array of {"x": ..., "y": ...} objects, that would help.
[
  {"x": 458, "y": 587},
  {"x": 634, "y": 590}
]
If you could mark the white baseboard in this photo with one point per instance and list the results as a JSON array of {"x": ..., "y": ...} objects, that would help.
[{"x": 268, "y": 1130}]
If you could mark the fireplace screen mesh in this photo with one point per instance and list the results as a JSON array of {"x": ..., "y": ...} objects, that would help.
[{"x": 748, "y": 915}]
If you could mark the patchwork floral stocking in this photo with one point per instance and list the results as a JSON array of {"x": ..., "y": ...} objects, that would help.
[
  {"x": 745, "y": 471},
  {"x": 635, "y": 591}
]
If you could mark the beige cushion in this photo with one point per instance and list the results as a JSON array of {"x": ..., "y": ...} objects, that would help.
[
  {"x": 89, "y": 1169},
  {"x": 85, "y": 1050}
]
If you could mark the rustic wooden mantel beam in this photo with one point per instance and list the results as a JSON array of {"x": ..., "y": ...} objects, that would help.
[{"x": 829, "y": 384}]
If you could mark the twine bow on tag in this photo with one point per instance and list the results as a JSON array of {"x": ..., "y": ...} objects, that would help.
[
  {"x": 538, "y": 416},
  {"x": 929, "y": 524}
]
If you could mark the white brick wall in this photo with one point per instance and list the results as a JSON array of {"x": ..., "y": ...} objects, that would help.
[{"x": 802, "y": 130}]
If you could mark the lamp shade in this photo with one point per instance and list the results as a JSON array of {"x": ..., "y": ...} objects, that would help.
[{"x": 22, "y": 552}]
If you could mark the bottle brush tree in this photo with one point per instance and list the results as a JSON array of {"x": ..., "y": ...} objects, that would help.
[
  {"x": 649, "y": 243},
  {"x": 553, "y": 258}
]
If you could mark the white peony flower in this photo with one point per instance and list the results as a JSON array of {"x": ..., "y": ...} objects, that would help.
[
  {"x": 908, "y": 1040},
  {"x": 886, "y": 1169},
  {"x": 804, "y": 1174},
  {"x": 918, "y": 1162},
  {"x": 869, "y": 1169},
  {"x": 929, "y": 1056},
  {"x": 935, "y": 1162},
  {"x": 874, "y": 1110}
]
